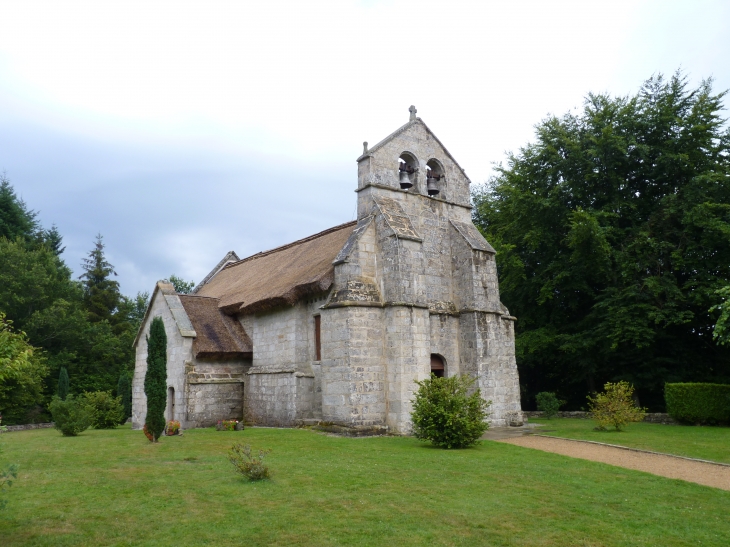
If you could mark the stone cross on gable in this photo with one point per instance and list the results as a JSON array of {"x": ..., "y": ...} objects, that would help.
[{"x": 412, "y": 110}]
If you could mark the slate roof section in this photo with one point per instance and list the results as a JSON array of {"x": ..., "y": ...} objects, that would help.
[
  {"x": 218, "y": 335},
  {"x": 396, "y": 218},
  {"x": 280, "y": 276},
  {"x": 344, "y": 253},
  {"x": 473, "y": 236}
]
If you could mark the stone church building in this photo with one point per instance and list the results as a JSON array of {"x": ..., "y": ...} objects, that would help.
[{"x": 338, "y": 326}]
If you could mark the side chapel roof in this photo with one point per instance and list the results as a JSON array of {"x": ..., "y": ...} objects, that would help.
[
  {"x": 215, "y": 334},
  {"x": 218, "y": 335},
  {"x": 280, "y": 276}
]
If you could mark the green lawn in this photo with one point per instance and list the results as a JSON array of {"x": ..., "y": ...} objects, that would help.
[
  {"x": 115, "y": 488},
  {"x": 704, "y": 442}
]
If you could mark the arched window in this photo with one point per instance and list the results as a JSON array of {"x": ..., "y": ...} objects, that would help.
[
  {"x": 434, "y": 177},
  {"x": 438, "y": 365},
  {"x": 407, "y": 168}
]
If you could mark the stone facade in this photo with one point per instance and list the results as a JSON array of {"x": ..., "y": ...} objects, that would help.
[
  {"x": 414, "y": 281},
  {"x": 200, "y": 391}
]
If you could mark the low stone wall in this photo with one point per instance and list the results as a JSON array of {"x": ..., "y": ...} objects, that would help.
[
  {"x": 651, "y": 417},
  {"x": 27, "y": 426}
]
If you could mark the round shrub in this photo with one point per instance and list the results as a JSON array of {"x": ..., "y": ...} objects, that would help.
[
  {"x": 446, "y": 414},
  {"x": 548, "y": 403},
  {"x": 615, "y": 406},
  {"x": 71, "y": 416},
  {"x": 107, "y": 411}
]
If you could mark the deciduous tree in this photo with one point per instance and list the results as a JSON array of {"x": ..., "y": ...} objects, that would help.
[
  {"x": 612, "y": 233},
  {"x": 22, "y": 370}
]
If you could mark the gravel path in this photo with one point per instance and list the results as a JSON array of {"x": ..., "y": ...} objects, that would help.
[{"x": 708, "y": 474}]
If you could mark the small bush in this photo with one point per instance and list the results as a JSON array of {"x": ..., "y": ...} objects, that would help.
[
  {"x": 548, "y": 403},
  {"x": 251, "y": 467},
  {"x": 615, "y": 407},
  {"x": 446, "y": 415},
  {"x": 698, "y": 403},
  {"x": 71, "y": 416},
  {"x": 107, "y": 411},
  {"x": 226, "y": 425},
  {"x": 7, "y": 474}
]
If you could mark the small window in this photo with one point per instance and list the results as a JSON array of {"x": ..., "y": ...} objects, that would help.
[
  {"x": 317, "y": 338},
  {"x": 438, "y": 367}
]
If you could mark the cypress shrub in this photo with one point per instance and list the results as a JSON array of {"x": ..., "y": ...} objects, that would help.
[
  {"x": 63, "y": 384},
  {"x": 155, "y": 380},
  {"x": 124, "y": 391},
  {"x": 698, "y": 403}
]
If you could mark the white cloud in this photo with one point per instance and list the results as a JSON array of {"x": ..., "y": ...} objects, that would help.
[{"x": 265, "y": 100}]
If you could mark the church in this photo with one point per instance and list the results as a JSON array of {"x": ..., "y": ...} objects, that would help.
[{"x": 337, "y": 327}]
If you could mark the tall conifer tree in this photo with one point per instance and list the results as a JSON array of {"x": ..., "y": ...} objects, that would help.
[
  {"x": 124, "y": 390},
  {"x": 155, "y": 380},
  {"x": 101, "y": 292},
  {"x": 63, "y": 384}
]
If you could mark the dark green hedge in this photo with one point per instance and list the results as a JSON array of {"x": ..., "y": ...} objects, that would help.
[{"x": 698, "y": 403}]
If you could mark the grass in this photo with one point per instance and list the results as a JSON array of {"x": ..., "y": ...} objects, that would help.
[
  {"x": 115, "y": 488},
  {"x": 703, "y": 442}
]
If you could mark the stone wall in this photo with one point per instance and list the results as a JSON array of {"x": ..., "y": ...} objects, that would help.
[
  {"x": 279, "y": 397},
  {"x": 25, "y": 427},
  {"x": 214, "y": 391},
  {"x": 353, "y": 366},
  {"x": 651, "y": 417},
  {"x": 444, "y": 339},
  {"x": 179, "y": 351},
  {"x": 284, "y": 383},
  {"x": 380, "y": 166}
]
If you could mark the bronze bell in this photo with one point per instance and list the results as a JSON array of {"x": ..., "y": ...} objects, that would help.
[
  {"x": 405, "y": 181},
  {"x": 432, "y": 185}
]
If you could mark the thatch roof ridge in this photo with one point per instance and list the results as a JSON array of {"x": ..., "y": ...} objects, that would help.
[
  {"x": 279, "y": 276},
  {"x": 231, "y": 256},
  {"x": 292, "y": 244}
]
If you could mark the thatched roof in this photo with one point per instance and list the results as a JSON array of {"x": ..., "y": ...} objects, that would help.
[
  {"x": 217, "y": 335},
  {"x": 280, "y": 276}
]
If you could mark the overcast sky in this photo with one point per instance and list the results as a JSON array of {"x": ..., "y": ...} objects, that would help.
[{"x": 183, "y": 130}]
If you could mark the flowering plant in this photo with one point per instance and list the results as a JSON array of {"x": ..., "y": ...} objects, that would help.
[
  {"x": 147, "y": 433},
  {"x": 226, "y": 425},
  {"x": 173, "y": 427}
]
